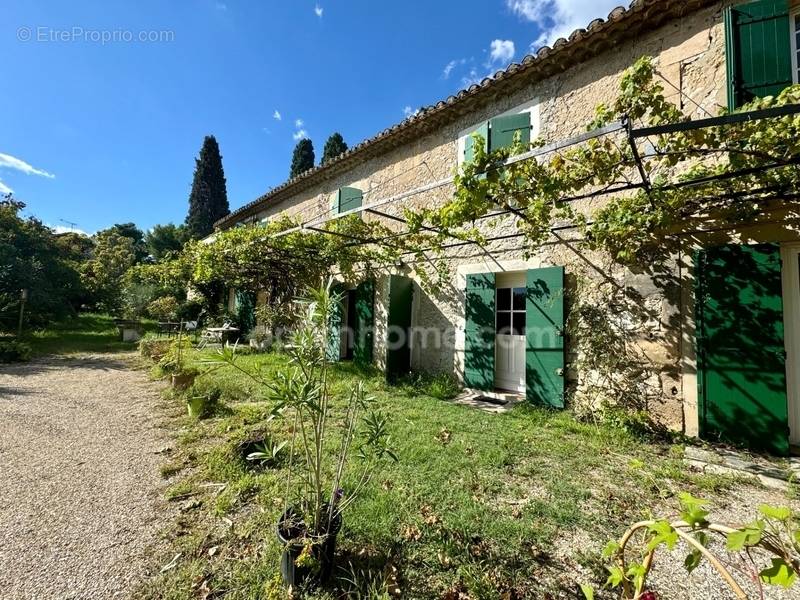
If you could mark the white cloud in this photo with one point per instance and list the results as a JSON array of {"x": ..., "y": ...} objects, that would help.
[
  {"x": 4, "y": 189},
  {"x": 318, "y": 11},
  {"x": 12, "y": 162},
  {"x": 62, "y": 229},
  {"x": 298, "y": 123},
  {"x": 409, "y": 112},
  {"x": 300, "y": 135},
  {"x": 448, "y": 68},
  {"x": 470, "y": 78},
  {"x": 501, "y": 51},
  {"x": 277, "y": 115},
  {"x": 559, "y": 18}
]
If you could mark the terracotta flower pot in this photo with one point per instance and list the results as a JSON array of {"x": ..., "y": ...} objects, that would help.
[{"x": 182, "y": 381}]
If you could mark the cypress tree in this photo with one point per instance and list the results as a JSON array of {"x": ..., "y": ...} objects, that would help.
[
  {"x": 333, "y": 147},
  {"x": 302, "y": 158},
  {"x": 208, "y": 200}
]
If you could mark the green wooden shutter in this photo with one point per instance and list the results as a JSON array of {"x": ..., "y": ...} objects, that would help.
[
  {"x": 758, "y": 50},
  {"x": 348, "y": 198},
  {"x": 741, "y": 362},
  {"x": 245, "y": 309},
  {"x": 479, "y": 332},
  {"x": 334, "y": 351},
  {"x": 503, "y": 129},
  {"x": 544, "y": 336},
  {"x": 398, "y": 341},
  {"x": 469, "y": 146},
  {"x": 363, "y": 333}
]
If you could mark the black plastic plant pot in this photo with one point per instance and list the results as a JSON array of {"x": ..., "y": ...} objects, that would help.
[{"x": 292, "y": 533}]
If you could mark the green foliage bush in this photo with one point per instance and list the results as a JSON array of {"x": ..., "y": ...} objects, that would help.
[
  {"x": 154, "y": 348},
  {"x": 14, "y": 351},
  {"x": 190, "y": 310},
  {"x": 163, "y": 309},
  {"x": 32, "y": 257}
]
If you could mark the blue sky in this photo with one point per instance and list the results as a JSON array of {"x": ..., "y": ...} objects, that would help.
[{"x": 96, "y": 131}]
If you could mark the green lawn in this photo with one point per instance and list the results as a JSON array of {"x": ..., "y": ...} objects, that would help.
[
  {"x": 88, "y": 332},
  {"x": 493, "y": 506}
]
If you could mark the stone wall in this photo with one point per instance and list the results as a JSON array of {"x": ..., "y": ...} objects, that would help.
[{"x": 645, "y": 307}]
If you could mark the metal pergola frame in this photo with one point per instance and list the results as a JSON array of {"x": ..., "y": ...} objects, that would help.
[{"x": 632, "y": 135}]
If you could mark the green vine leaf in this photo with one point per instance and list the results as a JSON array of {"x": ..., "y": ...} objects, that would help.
[
  {"x": 610, "y": 549},
  {"x": 615, "y": 577},
  {"x": 588, "y": 591},
  {"x": 693, "y": 511},
  {"x": 664, "y": 533},
  {"x": 778, "y": 513},
  {"x": 749, "y": 535},
  {"x": 780, "y": 573}
]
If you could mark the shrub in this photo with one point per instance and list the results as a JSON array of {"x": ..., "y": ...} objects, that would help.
[
  {"x": 13, "y": 351},
  {"x": 178, "y": 358},
  {"x": 190, "y": 310},
  {"x": 163, "y": 309},
  {"x": 154, "y": 348},
  {"x": 136, "y": 297}
]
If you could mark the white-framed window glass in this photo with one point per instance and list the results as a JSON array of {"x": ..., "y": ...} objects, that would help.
[
  {"x": 794, "y": 23},
  {"x": 510, "y": 312}
]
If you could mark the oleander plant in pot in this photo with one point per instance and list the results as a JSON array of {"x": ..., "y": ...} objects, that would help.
[{"x": 336, "y": 447}]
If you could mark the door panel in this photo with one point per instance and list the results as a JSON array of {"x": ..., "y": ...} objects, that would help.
[
  {"x": 510, "y": 362},
  {"x": 544, "y": 373},
  {"x": 740, "y": 346},
  {"x": 398, "y": 342},
  {"x": 510, "y": 332},
  {"x": 479, "y": 332},
  {"x": 336, "y": 320},
  {"x": 363, "y": 335}
]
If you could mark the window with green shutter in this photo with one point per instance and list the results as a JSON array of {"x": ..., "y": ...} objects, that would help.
[
  {"x": 758, "y": 49},
  {"x": 503, "y": 129},
  {"x": 348, "y": 198},
  {"x": 469, "y": 144}
]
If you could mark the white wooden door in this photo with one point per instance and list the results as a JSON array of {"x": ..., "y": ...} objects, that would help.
[
  {"x": 790, "y": 255},
  {"x": 509, "y": 359}
]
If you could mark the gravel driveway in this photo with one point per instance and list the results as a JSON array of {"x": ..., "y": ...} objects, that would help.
[{"x": 81, "y": 497}]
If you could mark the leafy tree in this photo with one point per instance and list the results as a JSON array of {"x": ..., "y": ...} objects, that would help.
[
  {"x": 32, "y": 258},
  {"x": 303, "y": 158},
  {"x": 114, "y": 255},
  {"x": 333, "y": 147},
  {"x": 75, "y": 247},
  {"x": 208, "y": 200},
  {"x": 130, "y": 230},
  {"x": 162, "y": 240}
]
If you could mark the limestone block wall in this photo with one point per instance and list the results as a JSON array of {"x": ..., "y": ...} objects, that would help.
[{"x": 648, "y": 307}]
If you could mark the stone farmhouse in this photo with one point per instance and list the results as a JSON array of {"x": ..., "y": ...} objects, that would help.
[{"x": 711, "y": 346}]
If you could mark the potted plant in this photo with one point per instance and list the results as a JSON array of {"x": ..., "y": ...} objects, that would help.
[
  {"x": 320, "y": 485},
  {"x": 176, "y": 362}
]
